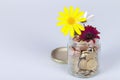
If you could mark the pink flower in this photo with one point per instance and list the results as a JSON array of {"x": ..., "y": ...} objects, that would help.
[{"x": 90, "y": 33}]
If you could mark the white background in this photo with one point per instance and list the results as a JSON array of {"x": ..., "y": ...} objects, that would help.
[{"x": 28, "y": 34}]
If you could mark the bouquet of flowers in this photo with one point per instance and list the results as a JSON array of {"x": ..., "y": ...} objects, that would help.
[{"x": 83, "y": 47}]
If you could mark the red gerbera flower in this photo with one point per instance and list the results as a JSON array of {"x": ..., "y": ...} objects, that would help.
[{"x": 90, "y": 33}]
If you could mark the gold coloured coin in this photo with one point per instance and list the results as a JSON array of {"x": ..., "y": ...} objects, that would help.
[
  {"x": 92, "y": 64},
  {"x": 91, "y": 56},
  {"x": 83, "y": 64}
]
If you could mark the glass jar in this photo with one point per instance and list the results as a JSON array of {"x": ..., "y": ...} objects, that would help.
[{"x": 83, "y": 57}]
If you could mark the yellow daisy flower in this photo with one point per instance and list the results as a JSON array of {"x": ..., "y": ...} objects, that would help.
[{"x": 71, "y": 21}]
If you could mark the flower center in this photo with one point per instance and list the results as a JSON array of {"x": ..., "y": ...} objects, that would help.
[
  {"x": 71, "y": 20},
  {"x": 90, "y": 36}
]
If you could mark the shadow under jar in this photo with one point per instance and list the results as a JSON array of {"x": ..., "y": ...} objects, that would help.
[{"x": 83, "y": 57}]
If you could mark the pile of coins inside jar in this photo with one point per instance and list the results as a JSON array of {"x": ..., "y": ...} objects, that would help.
[{"x": 83, "y": 57}]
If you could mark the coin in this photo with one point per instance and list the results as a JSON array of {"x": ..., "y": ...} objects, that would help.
[
  {"x": 83, "y": 43},
  {"x": 75, "y": 63},
  {"x": 91, "y": 56},
  {"x": 83, "y": 64},
  {"x": 92, "y": 64},
  {"x": 84, "y": 54}
]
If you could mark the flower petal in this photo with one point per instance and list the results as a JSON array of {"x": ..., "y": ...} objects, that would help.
[
  {"x": 71, "y": 10},
  {"x": 66, "y": 11},
  {"x": 61, "y": 18},
  {"x": 65, "y": 30},
  {"x": 83, "y": 19},
  {"x": 60, "y": 23},
  {"x": 77, "y": 30},
  {"x": 81, "y": 27},
  {"x": 80, "y": 14},
  {"x": 76, "y": 11},
  {"x": 71, "y": 32},
  {"x": 98, "y": 37},
  {"x": 61, "y": 14},
  {"x": 85, "y": 15}
]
